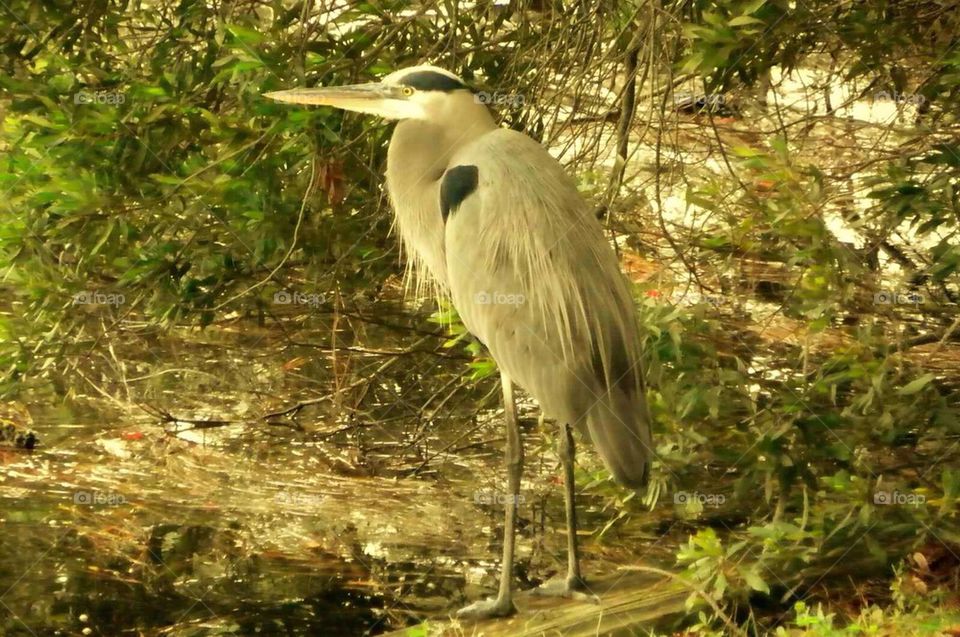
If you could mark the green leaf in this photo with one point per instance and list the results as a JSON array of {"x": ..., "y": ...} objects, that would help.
[
  {"x": 483, "y": 368},
  {"x": 746, "y": 151},
  {"x": 40, "y": 121},
  {"x": 916, "y": 385},
  {"x": 420, "y": 630},
  {"x": 103, "y": 238},
  {"x": 244, "y": 35},
  {"x": 171, "y": 180},
  {"x": 755, "y": 582},
  {"x": 743, "y": 20}
]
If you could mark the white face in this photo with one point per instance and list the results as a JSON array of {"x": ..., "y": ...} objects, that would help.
[{"x": 415, "y": 104}]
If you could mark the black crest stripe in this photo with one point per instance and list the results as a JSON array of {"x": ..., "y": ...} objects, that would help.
[
  {"x": 432, "y": 81},
  {"x": 458, "y": 182}
]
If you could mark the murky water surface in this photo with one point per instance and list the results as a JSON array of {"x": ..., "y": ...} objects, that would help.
[{"x": 142, "y": 512}]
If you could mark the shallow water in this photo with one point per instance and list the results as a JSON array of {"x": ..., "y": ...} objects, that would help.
[{"x": 367, "y": 512}]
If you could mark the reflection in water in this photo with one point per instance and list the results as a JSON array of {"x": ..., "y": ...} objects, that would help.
[{"x": 365, "y": 513}]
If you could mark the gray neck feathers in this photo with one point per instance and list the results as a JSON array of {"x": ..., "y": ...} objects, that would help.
[{"x": 419, "y": 154}]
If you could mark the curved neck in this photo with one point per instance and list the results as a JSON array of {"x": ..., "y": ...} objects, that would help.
[
  {"x": 421, "y": 149},
  {"x": 420, "y": 152}
]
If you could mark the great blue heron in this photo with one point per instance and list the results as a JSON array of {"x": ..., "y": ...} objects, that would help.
[{"x": 489, "y": 218}]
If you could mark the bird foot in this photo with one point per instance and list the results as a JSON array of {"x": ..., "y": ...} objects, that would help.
[
  {"x": 487, "y": 609},
  {"x": 570, "y": 588}
]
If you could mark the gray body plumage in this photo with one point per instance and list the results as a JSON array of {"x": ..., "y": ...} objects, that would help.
[{"x": 530, "y": 273}]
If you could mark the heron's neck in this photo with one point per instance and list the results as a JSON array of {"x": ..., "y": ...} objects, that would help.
[{"x": 419, "y": 154}]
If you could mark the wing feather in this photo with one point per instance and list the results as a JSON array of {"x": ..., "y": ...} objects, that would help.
[{"x": 533, "y": 277}]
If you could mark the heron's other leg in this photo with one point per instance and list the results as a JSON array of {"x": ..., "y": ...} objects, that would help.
[
  {"x": 574, "y": 584},
  {"x": 502, "y": 604}
]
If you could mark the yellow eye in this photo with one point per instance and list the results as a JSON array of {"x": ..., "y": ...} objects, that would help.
[{"x": 407, "y": 91}]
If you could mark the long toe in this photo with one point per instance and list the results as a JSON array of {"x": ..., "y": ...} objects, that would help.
[
  {"x": 487, "y": 609},
  {"x": 570, "y": 588}
]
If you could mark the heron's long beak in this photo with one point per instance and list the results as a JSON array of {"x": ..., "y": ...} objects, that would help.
[
  {"x": 374, "y": 98},
  {"x": 331, "y": 95}
]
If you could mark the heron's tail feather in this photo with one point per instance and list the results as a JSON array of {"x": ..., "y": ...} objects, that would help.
[{"x": 619, "y": 426}]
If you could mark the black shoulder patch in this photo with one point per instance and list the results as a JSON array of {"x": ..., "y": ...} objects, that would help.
[
  {"x": 432, "y": 81},
  {"x": 458, "y": 182}
]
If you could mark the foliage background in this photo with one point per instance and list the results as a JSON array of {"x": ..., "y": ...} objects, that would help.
[{"x": 139, "y": 159}]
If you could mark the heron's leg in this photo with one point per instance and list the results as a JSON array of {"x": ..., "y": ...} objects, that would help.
[
  {"x": 567, "y": 456},
  {"x": 574, "y": 584},
  {"x": 502, "y": 605}
]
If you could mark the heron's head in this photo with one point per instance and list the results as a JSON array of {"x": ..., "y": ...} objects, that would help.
[{"x": 419, "y": 92}]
